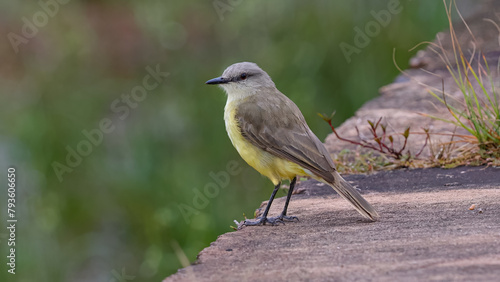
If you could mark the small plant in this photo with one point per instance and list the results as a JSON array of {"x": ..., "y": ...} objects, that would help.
[
  {"x": 481, "y": 116},
  {"x": 476, "y": 113},
  {"x": 383, "y": 143},
  {"x": 347, "y": 161}
]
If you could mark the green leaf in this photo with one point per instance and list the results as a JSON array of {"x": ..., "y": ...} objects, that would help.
[
  {"x": 406, "y": 133},
  {"x": 325, "y": 117},
  {"x": 371, "y": 124}
]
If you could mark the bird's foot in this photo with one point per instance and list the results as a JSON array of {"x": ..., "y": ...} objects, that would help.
[
  {"x": 284, "y": 218},
  {"x": 262, "y": 221},
  {"x": 275, "y": 220}
]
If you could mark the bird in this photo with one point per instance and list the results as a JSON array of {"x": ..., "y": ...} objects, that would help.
[{"x": 270, "y": 133}]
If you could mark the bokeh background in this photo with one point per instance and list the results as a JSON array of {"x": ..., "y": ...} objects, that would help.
[{"x": 126, "y": 210}]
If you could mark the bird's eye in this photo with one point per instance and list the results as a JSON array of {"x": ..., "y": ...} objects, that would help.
[{"x": 243, "y": 76}]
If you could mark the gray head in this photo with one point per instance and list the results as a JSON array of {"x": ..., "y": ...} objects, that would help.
[{"x": 242, "y": 78}]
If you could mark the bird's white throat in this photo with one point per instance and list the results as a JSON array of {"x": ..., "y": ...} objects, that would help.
[{"x": 235, "y": 93}]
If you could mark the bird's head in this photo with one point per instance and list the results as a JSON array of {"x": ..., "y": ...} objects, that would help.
[{"x": 243, "y": 79}]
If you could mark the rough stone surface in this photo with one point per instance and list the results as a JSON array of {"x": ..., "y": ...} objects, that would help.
[{"x": 427, "y": 232}]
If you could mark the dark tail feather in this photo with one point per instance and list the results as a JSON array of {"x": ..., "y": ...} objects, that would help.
[{"x": 348, "y": 192}]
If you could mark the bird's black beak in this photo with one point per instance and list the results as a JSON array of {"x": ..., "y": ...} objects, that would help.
[{"x": 217, "y": 80}]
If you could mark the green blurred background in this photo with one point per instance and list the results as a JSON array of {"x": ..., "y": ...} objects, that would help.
[{"x": 118, "y": 211}]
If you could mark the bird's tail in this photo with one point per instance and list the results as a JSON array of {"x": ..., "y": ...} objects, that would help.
[{"x": 348, "y": 192}]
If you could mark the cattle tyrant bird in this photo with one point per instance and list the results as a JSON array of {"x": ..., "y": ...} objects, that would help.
[{"x": 271, "y": 135}]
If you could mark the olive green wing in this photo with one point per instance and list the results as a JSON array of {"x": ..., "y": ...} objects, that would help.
[{"x": 275, "y": 124}]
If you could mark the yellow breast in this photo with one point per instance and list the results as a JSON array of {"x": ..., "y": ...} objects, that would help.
[{"x": 276, "y": 169}]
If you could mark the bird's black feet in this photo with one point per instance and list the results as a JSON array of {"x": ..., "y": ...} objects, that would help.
[
  {"x": 262, "y": 221},
  {"x": 275, "y": 220},
  {"x": 284, "y": 218}
]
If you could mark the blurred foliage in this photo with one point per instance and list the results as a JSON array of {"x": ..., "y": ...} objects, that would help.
[{"x": 119, "y": 209}]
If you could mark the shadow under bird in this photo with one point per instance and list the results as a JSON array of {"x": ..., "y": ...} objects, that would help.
[{"x": 271, "y": 135}]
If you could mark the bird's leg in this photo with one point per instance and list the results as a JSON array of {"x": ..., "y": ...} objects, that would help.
[
  {"x": 283, "y": 216},
  {"x": 263, "y": 219}
]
